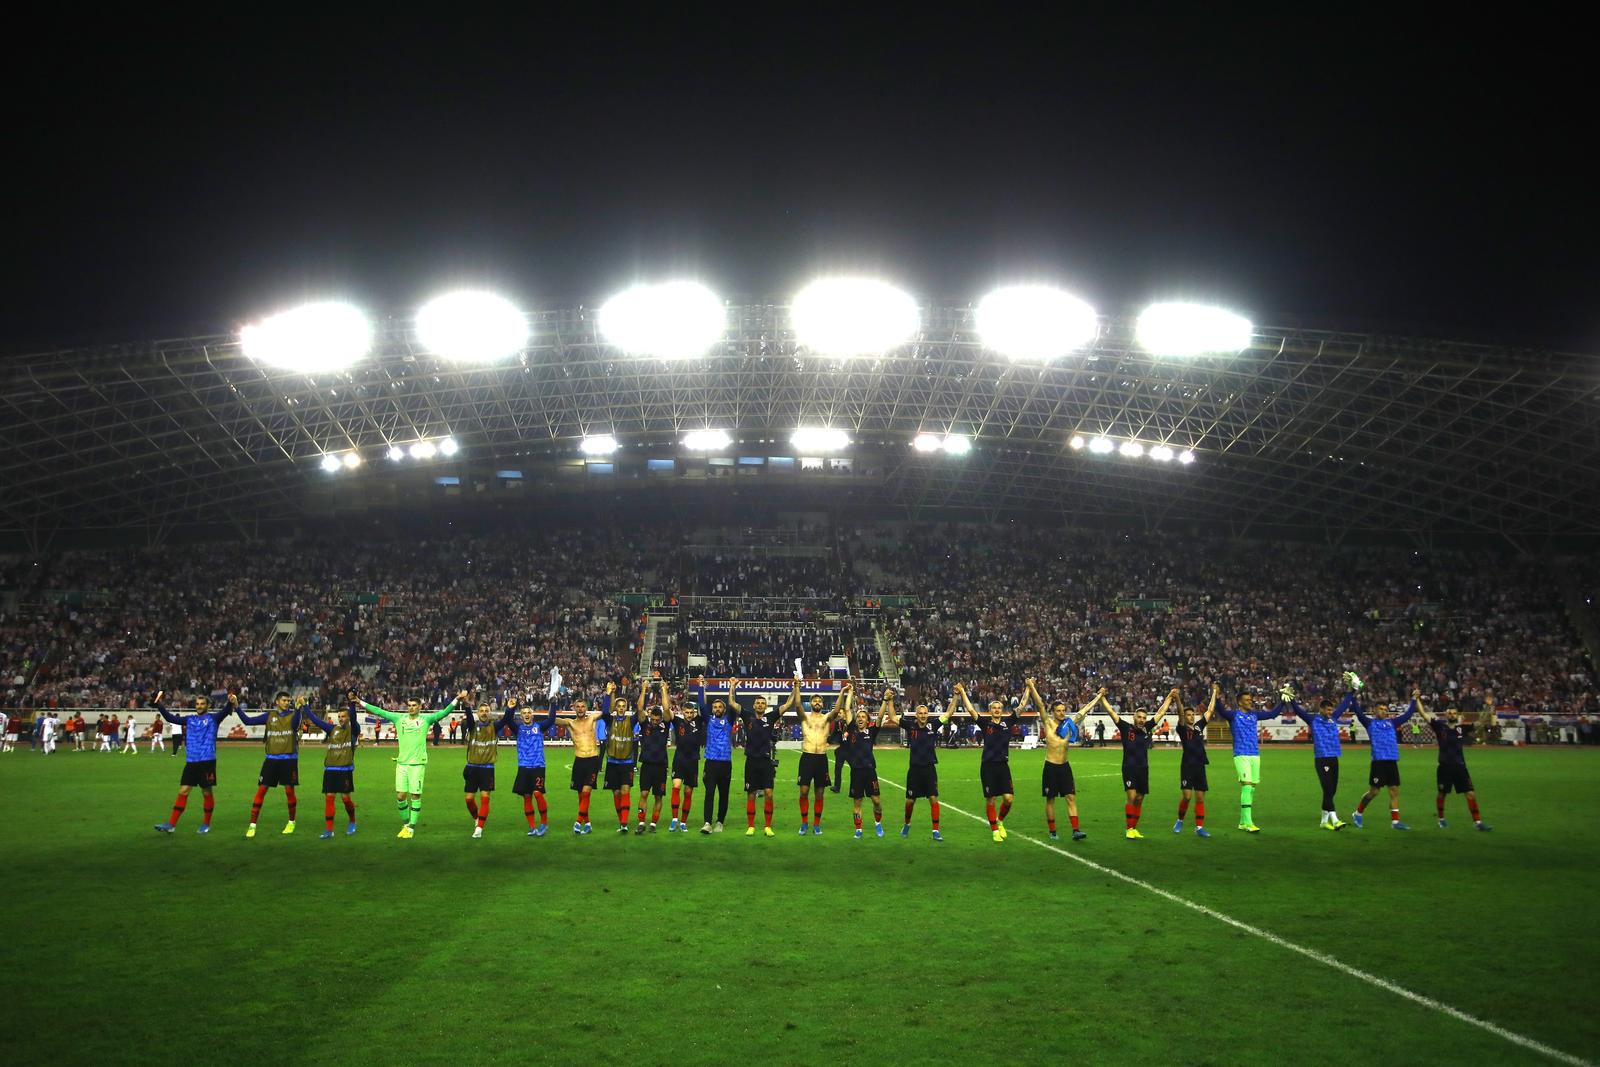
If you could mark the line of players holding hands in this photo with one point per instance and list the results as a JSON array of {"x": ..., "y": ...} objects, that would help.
[{"x": 639, "y": 733}]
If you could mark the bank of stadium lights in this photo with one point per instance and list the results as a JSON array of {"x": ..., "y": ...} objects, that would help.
[
  {"x": 598, "y": 445},
  {"x": 670, "y": 320},
  {"x": 1177, "y": 329},
  {"x": 334, "y": 462},
  {"x": 448, "y": 447},
  {"x": 471, "y": 327},
  {"x": 1035, "y": 323},
  {"x": 853, "y": 317},
  {"x": 423, "y": 450},
  {"x": 707, "y": 440},
  {"x": 321, "y": 338},
  {"x": 816, "y": 439},
  {"x": 951, "y": 444},
  {"x": 1105, "y": 446}
]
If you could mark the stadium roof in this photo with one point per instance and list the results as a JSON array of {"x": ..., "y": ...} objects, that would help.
[{"x": 1312, "y": 431}]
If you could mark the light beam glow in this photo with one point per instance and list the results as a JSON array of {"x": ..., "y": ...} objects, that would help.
[
  {"x": 707, "y": 440},
  {"x": 321, "y": 338},
  {"x": 448, "y": 446},
  {"x": 670, "y": 320},
  {"x": 1036, "y": 323},
  {"x": 927, "y": 442},
  {"x": 471, "y": 327},
  {"x": 956, "y": 445},
  {"x": 598, "y": 445},
  {"x": 330, "y": 462},
  {"x": 422, "y": 450},
  {"x": 819, "y": 439},
  {"x": 853, "y": 316},
  {"x": 352, "y": 460},
  {"x": 1177, "y": 329},
  {"x": 1101, "y": 445}
]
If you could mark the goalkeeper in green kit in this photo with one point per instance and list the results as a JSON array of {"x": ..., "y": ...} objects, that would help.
[{"x": 411, "y": 765}]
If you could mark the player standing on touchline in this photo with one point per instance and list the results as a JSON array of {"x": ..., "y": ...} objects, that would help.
[
  {"x": 411, "y": 759},
  {"x": 338, "y": 762},
  {"x": 1385, "y": 770},
  {"x": 199, "y": 755}
]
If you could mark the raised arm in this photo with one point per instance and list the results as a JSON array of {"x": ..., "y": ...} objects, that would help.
[
  {"x": 1411, "y": 709},
  {"x": 249, "y": 720},
  {"x": 434, "y": 716},
  {"x": 321, "y": 724},
  {"x": 161, "y": 708},
  {"x": 1346, "y": 702},
  {"x": 846, "y": 703},
  {"x": 1161, "y": 712},
  {"x": 1211, "y": 705},
  {"x": 966, "y": 704},
  {"x": 1083, "y": 712},
  {"x": 373, "y": 709},
  {"x": 1418, "y": 707},
  {"x": 1031, "y": 694},
  {"x": 886, "y": 709},
  {"x": 793, "y": 703},
  {"x": 700, "y": 695}
]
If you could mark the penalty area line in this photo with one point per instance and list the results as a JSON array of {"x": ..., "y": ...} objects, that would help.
[{"x": 1309, "y": 953}]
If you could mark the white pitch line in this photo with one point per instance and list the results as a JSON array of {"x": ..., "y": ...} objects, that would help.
[{"x": 1309, "y": 953}]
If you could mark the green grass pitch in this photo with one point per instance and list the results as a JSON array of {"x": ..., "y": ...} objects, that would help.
[{"x": 125, "y": 946}]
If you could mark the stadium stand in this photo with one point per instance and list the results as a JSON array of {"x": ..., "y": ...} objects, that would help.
[{"x": 984, "y": 604}]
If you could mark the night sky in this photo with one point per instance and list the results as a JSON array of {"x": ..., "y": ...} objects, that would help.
[{"x": 1392, "y": 173}]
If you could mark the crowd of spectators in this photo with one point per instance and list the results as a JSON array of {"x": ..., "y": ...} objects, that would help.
[
  {"x": 400, "y": 619},
  {"x": 777, "y": 576},
  {"x": 994, "y": 604},
  {"x": 1141, "y": 614}
]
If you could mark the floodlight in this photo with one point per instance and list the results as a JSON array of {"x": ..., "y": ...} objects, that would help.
[
  {"x": 1192, "y": 329},
  {"x": 598, "y": 445},
  {"x": 330, "y": 462},
  {"x": 926, "y": 442},
  {"x": 956, "y": 445},
  {"x": 1101, "y": 445},
  {"x": 1186, "y": 457},
  {"x": 471, "y": 327},
  {"x": 1077, "y": 442},
  {"x": 819, "y": 439},
  {"x": 312, "y": 339},
  {"x": 1161, "y": 454},
  {"x": 1035, "y": 322},
  {"x": 352, "y": 460},
  {"x": 706, "y": 440},
  {"x": 448, "y": 446},
  {"x": 396, "y": 453},
  {"x": 422, "y": 450},
  {"x": 1132, "y": 449},
  {"x": 853, "y": 316},
  {"x": 672, "y": 320}
]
